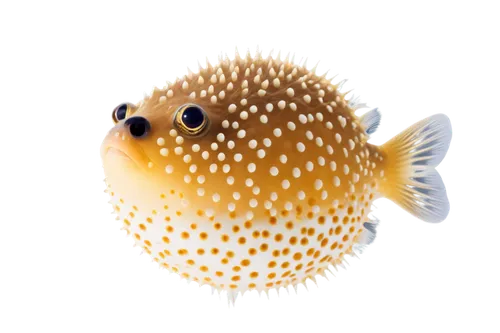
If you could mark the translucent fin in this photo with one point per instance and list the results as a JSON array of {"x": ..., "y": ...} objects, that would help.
[
  {"x": 370, "y": 121},
  {"x": 412, "y": 182}
]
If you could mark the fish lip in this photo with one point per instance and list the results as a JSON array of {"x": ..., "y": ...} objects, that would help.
[{"x": 121, "y": 152}]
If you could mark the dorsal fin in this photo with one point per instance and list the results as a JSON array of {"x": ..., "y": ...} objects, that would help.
[{"x": 370, "y": 121}]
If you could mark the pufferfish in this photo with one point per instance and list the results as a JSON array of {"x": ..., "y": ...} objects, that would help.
[{"x": 256, "y": 174}]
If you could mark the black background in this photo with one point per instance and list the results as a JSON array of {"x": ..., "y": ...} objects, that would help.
[{"x": 415, "y": 272}]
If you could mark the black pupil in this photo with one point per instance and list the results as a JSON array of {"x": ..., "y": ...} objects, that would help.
[
  {"x": 193, "y": 117},
  {"x": 121, "y": 112}
]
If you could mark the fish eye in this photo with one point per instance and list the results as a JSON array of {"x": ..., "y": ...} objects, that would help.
[
  {"x": 191, "y": 119},
  {"x": 121, "y": 112}
]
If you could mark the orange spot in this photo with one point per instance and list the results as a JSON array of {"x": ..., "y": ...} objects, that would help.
[
  {"x": 236, "y": 228},
  {"x": 214, "y": 251},
  {"x": 271, "y": 264},
  {"x": 165, "y": 239},
  {"x": 225, "y": 238},
  {"x": 297, "y": 256},
  {"x": 200, "y": 252},
  {"x": 149, "y": 220},
  {"x": 254, "y": 275},
  {"x": 184, "y": 235},
  {"x": 263, "y": 247},
  {"x": 245, "y": 262},
  {"x": 278, "y": 237},
  {"x": 338, "y": 230},
  {"x": 203, "y": 235},
  {"x": 242, "y": 240},
  {"x": 142, "y": 227},
  {"x": 204, "y": 268},
  {"x": 252, "y": 251}
]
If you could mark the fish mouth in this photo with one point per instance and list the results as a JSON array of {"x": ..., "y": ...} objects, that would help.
[{"x": 116, "y": 153}]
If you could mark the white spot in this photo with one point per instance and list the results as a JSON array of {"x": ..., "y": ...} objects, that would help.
[
  {"x": 273, "y": 196},
  {"x": 231, "y": 144},
  {"x": 231, "y": 108},
  {"x": 169, "y": 169},
  {"x": 241, "y": 134},
  {"x": 226, "y": 168},
  {"x": 238, "y": 157},
  {"x": 307, "y": 99},
  {"x": 253, "y": 109},
  {"x": 220, "y": 137},
  {"x": 249, "y": 182},
  {"x": 213, "y": 99},
  {"x": 291, "y": 126},
  {"x": 244, "y": 115},
  {"x": 193, "y": 168},
  {"x": 214, "y": 146},
  {"x": 274, "y": 171},
  {"x": 261, "y": 93},
  {"x": 281, "y": 105},
  {"x": 185, "y": 85},
  {"x": 290, "y": 92},
  {"x": 269, "y": 107},
  {"x": 187, "y": 179},
  {"x": 301, "y": 147},
  {"x": 338, "y": 138},
  {"x": 253, "y": 203},
  {"x": 187, "y": 158},
  {"x": 160, "y": 141},
  {"x": 251, "y": 167},
  {"x": 276, "y": 83},
  {"x": 283, "y": 158},
  {"x": 333, "y": 166},
  {"x": 346, "y": 169},
  {"x": 309, "y": 166},
  {"x": 205, "y": 155},
  {"x": 213, "y": 168},
  {"x": 178, "y": 150},
  {"x": 293, "y": 106},
  {"x": 267, "y": 142},
  {"x": 230, "y": 180},
  {"x": 164, "y": 152},
  {"x": 179, "y": 140},
  {"x": 302, "y": 119},
  {"x": 342, "y": 121},
  {"x": 277, "y": 132},
  {"x": 221, "y": 157},
  {"x": 222, "y": 94},
  {"x": 261, "y": 153},
  {"x": 351, "y": 144},
  {"x": 216, "y": 197},
  {"x": 336, "y": 181},
  {"x": 243, "y": 101},
  {"x": 252, "y": 144},
  {"x": 285, "y": 184},
  {"x": 200, "y": 191},
  {"x": 301, "y": 195},
  {"x": 263, "y": 119},
  {"x": 296, "y": 172}
]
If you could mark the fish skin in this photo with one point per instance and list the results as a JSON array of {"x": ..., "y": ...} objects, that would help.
[{"x": 275, "y": 191}]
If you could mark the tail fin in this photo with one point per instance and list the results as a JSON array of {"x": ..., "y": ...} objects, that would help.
[{"x": 412, "y": 181}]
